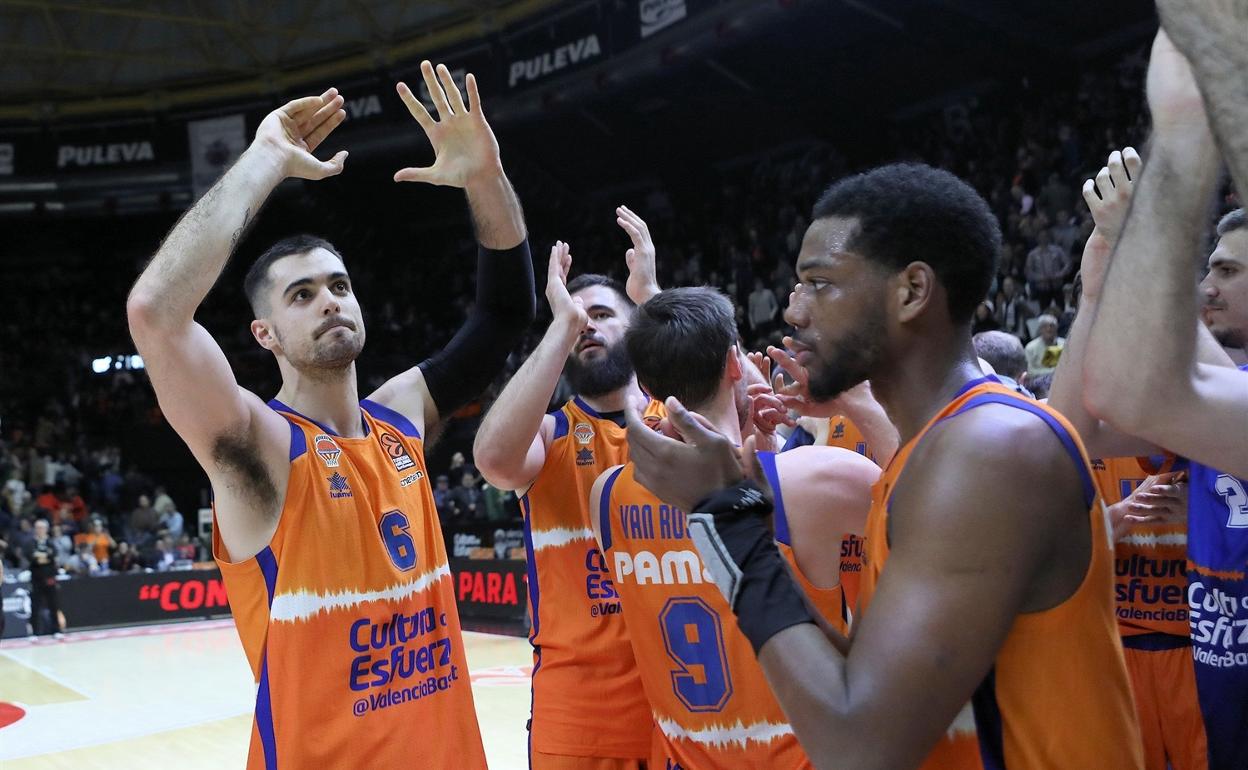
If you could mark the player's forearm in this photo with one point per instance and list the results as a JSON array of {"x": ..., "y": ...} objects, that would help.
[
  {"x": 195, "y": 252},
  {"x": 1220, "y": 73},
  {"x": 1149, "y": 297},
  {"x": 508, "y": 430},
  {"x": 496, "y": 212}
]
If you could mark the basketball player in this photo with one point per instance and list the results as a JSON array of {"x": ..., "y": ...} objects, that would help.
[
  {"x": 710, "y": 700},
  {"x": 988, "y": 563},
  {"x": 1151, "y": 528},
  {"x": 1189, "y": 399},
  {"x": 326, "y": 530},
  {"x": 551, "y": 460}
]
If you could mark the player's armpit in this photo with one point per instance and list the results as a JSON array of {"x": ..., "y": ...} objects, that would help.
[
  {"x": 1206, "y": 419},
  {"x": 967, "y": 555}
]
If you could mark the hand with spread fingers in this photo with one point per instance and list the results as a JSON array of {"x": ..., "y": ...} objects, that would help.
[
  {"x": 796, "y": 394},
  {"x": 294, "y": 131},
  {"x": 643, "y": 281},
  {"x": 1109, "y": 197},
  {"x": 682, "y": 472},
  {"x": 464, "y": 146},
  {"x": 767, "y": 413}
]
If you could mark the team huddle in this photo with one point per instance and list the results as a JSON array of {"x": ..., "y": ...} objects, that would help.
[{"x": 951, "y": 574}]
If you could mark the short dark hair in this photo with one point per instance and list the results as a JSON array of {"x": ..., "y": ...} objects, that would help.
[
  {"x": 910, "y": 212},
  {"x": 585, "y": 280},
  {"x": 257, "y": 281},
  {"x": 678, "y": 342},
  {"x": 1235, "y": 220},
  {"x": 1003, "y": 351}
]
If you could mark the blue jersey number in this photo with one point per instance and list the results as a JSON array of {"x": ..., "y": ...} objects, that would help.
[
  {"x": 695, "y": 641},
  {"x": 398, "y": 539}
]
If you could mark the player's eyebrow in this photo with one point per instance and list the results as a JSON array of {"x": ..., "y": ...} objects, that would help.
[{"x": 298, "y": 282}]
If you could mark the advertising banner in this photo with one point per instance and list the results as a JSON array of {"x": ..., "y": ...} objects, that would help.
[
  {"x": 215, "y": 144},
  {"x": 143, "y": 598},
  {"x": 493, "y": 590}
]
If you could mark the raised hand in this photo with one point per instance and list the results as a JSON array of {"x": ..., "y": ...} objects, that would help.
[
  {"x": 464, "y": 146},
  {"x": 766, "y": 411},
  {"x": 564, "y": 306},
  {"x": 294, "y": 131},
  {"x": 1108, "y": 197},
  {"x": 795, "y": 395},
  {"x": 643, "y": 281}
]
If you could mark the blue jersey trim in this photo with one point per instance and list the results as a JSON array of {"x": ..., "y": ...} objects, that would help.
[
  {"x": 799, "y": 437},
  {"x": 780, "y": 519},
  {"x": 530, "y": 567},
  {"x": 561, "y": 424},
  {"x": 1156, "y": 641},
  {"x": 604, "y": 515},
  {"x": 386, "y": 414},
  {"x": 1068, "y": 441},
  {"x": 264, "y": 716},
  {"x": 268, "y": 568},
  {"x": 586, "y": 408},
  {"x": 298, "y": 441},
  {"x": 278, "y": 406},
  {"x": 988, "y": 723}
]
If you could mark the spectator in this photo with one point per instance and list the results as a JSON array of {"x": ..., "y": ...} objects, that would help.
[
  {"x": 50, "y": 499},
  {"x": 467, "y": 499},
  {"x": 124, "y": 559},
  {"x": 1055, "y": 197},
  {"x": 456, "y": 472},
  {"x": 763, "y": 309},
  {"x": 1047, "y": 267},
  {"x": 98, "y": 539},
  {"x": 62, "y": 544},
  {"x": 1005, "y": 354},
  {"x": 1012, "y": 309},
  {"x": 163, "y": 503},
  {"x": 1044, "y": 351},
  {"x": 82, "y": 563},
  {"x": 171, "y": 522},
  {"x": 985, "y": 320},
  {"x": 144, "y": 522},
  {"x": 185, "y": 550},
  {"x": 158, "y": 556},
  {"x": 77, "y": 506},
  {"x": 443, "y": 499}
]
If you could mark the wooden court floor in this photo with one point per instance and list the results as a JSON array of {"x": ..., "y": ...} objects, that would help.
[{"x": 181, "y": 696}]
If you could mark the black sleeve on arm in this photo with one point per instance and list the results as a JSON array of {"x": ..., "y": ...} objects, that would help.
[{"x": 505, "y": 307}]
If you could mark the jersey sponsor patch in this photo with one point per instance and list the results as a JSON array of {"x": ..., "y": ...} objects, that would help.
[
  {"x": 396, "y": 452},
  {"x": 338, "y": 486},
  {"x": 327, "y": 449},
  {"x": 584, "y": 432}
]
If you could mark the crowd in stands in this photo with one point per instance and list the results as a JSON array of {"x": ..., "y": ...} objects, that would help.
[{"x": 1026, "y": 149}]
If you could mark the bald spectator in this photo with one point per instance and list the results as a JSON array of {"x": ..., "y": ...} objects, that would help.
[
  {"x": 1004, "y": 352},
  {"x": 1044, "y": 351}
]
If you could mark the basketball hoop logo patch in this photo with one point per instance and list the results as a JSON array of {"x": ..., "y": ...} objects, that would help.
[
  {"x": 327, "y": 449},
  {"x": 583, "y": 432}
]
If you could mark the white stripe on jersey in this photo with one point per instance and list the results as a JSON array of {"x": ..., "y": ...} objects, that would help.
[
  {"x": 553, "y": 538},
  {"x": 720, "y": 736},
  {"x": 1149, "y": 540},
  {"x": 301, "y": 605}
]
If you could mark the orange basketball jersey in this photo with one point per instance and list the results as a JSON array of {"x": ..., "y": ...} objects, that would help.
[
  {"x": 1150, "y": 561},
  {"x": 348, "y": 616},
  {"x": 710, "y": 700},
  {"x": 587, "y": 694},
  {"x": 1057, "y": 695},
  {"x": 844, "y": 434}
]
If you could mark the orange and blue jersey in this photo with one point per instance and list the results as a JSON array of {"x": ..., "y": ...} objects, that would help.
[
  {"x": 1057, "y": 694},
  {"x": 577, "y": 632},
  {"x": 844, "y": 434},
  {"x": 1150, "y": 566},
  {"x": 348, "y": 615},
  {"x": 709, "y": 697},
  {"x": 829, "y": 602},
  {"x": 1217, "y": 595}
]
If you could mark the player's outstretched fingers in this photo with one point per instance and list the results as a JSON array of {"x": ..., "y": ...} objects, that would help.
[
  {"x": 416, "y": 107},
  {"x": 452, "y": 91},
  {"x": 1089, "y": 194},
  {"x": 435, "y": 90},
  {"x": 1131, "y": 159},
  {"x": 323, "y": 130}
]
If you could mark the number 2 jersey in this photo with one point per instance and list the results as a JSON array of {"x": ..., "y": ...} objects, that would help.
[
  {"x": 711, "y": 702},
  {"x": 348, "y": 616}
]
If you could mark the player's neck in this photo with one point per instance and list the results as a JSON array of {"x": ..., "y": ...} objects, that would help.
[
  {"x": 331, "y": 401},
  {"x": 616, "y": 400},
  {"x": 723, "y": 415},
  {"x": 923, "y": 382}
]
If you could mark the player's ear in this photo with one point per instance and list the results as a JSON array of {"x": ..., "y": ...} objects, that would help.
[
  {"x": 262, "y": 330},
  {"x": 733, "y": 367},
  {"x": 913, "y": 289}
]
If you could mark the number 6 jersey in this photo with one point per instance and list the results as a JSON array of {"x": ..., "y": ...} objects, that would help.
[
  {"x": 348, "y": 616},
  {"x": 711, "y": 702}
]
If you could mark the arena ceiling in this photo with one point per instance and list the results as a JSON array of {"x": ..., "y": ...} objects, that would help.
[{"x": 65, "y": 50}]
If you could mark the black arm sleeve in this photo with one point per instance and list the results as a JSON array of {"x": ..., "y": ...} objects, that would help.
[{"x": 505, "y": 307}]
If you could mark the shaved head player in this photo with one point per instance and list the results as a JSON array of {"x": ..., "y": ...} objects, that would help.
[{"x": 326, "y": 530}]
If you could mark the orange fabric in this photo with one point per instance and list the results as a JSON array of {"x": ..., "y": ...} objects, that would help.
[
  {"x": 711, "y": 702},
  {"x": 1059, "y": 684},
  {"x": 828, "y": 602},
  {"x": 542, "y": 761},
  {"x": 348, "y": 617},
  {"x": 844, "y": 434},
  {"x": 99, "y": 545},
  {"x": 1164, "y": 682},
  {"x": 1150, "y": 561},
  {"x": 578, "y": 634}
]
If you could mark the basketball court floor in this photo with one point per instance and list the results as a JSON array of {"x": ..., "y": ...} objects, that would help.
[{"x": 181, "y": 696}]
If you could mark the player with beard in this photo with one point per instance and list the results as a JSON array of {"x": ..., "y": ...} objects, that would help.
[
  {"x": 326, "y": 530},
  {"x": 988, "y": 566},
  {"x": 551, "y": 460}
]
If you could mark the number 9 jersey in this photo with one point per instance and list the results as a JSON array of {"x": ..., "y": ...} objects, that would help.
[
  {"x": 711, "y": 702},
  {"x": 348, "y": 616}
]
